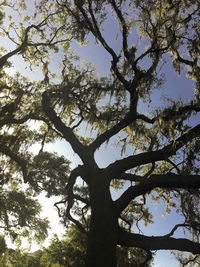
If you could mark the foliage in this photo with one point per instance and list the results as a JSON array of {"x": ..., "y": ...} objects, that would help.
[
  {"x": 19, "y": 258},
  {"x": 71, "y": 251},
  {"x": 158, "y": 145},
  {"x": 2, "y": 245}
]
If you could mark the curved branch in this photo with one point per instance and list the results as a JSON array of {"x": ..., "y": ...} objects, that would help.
[
  {"x": 167, "y": 181},
  {"x": 176, "y": 227},
  {"x": 97, "y": 34},
  {"x": 175, "y": 166},
  {"x": 24, "y": 44},
  {"x": 21, "y": 162},
  {"x": 157, "y": 242},
  {"x": 67, "y": 132},
  {"x": 71, "y": 196},
  {"x": 111, "y": 132},
  {"x": 186, "y": 262},
  {"x": 69, "y": 200},
  {"x": 20, "y": 48},
  {"x": 124, "y": 28},
  {"x": 172, "y": 114},
  {"x": 125, "y": 164},
  {"x": 11, "y": 120},
  {"x": 76, "y": 222},
  {"x": 75, "y": 173},
  {"x": 79, "y": 198}
]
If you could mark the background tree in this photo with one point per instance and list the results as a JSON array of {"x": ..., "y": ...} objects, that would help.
[
  {"x": 161, "y": 144},
  {"x": 19, "y": 211},
  {"x": 19, "y": 104},
  {"x": 71, "y": 251}
]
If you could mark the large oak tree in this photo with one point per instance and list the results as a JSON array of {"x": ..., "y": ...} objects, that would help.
[{"x": 163, "y": 143}]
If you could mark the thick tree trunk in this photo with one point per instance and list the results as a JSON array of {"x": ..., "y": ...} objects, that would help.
[{"x": 102, "y": 241}]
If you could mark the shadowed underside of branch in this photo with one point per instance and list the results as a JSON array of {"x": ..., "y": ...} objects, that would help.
[
  {"x": 157, "y": 243},
  {"x": 168, "y": 181}
]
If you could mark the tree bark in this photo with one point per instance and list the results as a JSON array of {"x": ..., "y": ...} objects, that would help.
[
  {"x": 102, "y": 241},
  {"x": 157, "y": 242}
]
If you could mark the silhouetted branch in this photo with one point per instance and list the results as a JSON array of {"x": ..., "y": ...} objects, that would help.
[
  {"x": 157, "y": 242},
  {"x": 125, "y": 164},
  {"x": 20, "y": 161},
  {"x": 176, "y": 227},
  {"x": 171, "y": 114},
  {"x": 166, "y": 181},
  {"x": 61, "y": 127},
  {"x": 111, "y": 132}
]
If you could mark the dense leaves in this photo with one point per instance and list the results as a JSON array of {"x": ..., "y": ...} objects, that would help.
[{"x": 69, "y": 251}]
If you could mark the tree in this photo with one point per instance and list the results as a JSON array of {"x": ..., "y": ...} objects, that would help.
[
  {"x": 19, "y": 258},
  {"x": 163, "y": 144},
  {"x": 20, "y": 102},
  {"x": 71, "y": 251}
]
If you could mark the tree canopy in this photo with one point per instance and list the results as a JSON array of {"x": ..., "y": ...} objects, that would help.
[
  {"x": 71, "y": 102},
  {"x": 66, "y": 252}
]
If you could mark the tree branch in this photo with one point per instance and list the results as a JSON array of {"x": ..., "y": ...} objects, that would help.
[
  {"x": 124, "y": 27},
  {"x": 167, "y": 181},
  {"x": 71, "y": 196},
  {"x": 21, "y": 162},
  {"x": 172, "y": 114},
  {"x": 157, "y": 242},
  {"x": 24, "y": 44},
  {"x": 111, "y": 132},
  {"x": 176, "y": 227},
  {"x": 97, "y": 34},
  {"x": 20, "y": 48},
  {"x": 67, "y": 132},
  {"x": 78, "y": 171},
  {"x": 69, "y": 200},
  {"x": 125, "y": 164},
  {"x": 130, "y": 177},
  {"x": 8, "y": 121}
]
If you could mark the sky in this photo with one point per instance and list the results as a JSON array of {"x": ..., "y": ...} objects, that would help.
[{"x": 174, "y": 86}]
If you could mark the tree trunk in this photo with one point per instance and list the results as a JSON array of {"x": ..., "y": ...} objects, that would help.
[{"x": 102, "y": 241}]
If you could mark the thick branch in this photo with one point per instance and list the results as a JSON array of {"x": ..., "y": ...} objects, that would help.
[
  {"x": 125, "y": 164},
  {"x": 186, "y": 61},
  {"x": 20, "y": 48},
  {"x": 157, "y": 242},
  {"x": 4, "y": 58},
  {"x": 66, "y": 131},
  {"x": 8, "y": 121},
  {"x": 130, "y": 177},
  {"x": 70, "y": 196},
  {"x": 79, "y": 171},
  {"x": 21, "y": 162},
  {"x": 111, "y": 132},
  {"x": 167, "y": 181}
]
